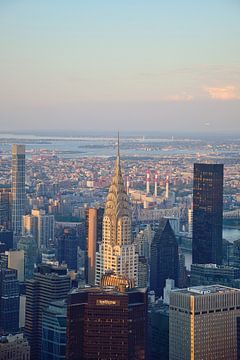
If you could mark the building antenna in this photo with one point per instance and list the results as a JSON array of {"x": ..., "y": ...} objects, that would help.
[{"x": 118, "y": 146}]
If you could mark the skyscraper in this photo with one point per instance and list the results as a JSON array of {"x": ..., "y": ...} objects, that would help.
[
  {"x": 238, "y": 338},
  {"x": 54, "y": 325},
  {"x": 41, "y": 226},
  {"x": 117, "y": 252},
  {"x": 158, "y": 331},
  {"x": 203, "y": 323},
  {"x": 6, "y": 238},
  {"x": 94, "y": 224},
  {"x": 46, "y": 286},
  {"x": 9, "y": 301},
  {"x": 164, "y": 257},
  {"x": 106, "y": 324},
  {"x": 18, "y": 187},
  {"x": 5, "y": 207},
  {"x": 30, "y": 226},
  {"x": 207, "y": 213},
  {"x": 15, "y": 260},
  {"x": 67, "y": 244},
  {"x": 143, "y": 272},
  {"x": 28, "y": 244}
]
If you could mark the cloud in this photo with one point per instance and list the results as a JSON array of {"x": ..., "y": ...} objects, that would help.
[
  {"x": 179, "y": 97},
  {"x": 223, "y": 93}
]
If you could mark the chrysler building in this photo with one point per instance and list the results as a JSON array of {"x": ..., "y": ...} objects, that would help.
[{"x": 117, "y": 252}]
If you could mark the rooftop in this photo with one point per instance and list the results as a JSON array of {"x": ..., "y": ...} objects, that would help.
[
  {"x": 106, "y": 290},
  {"x": 209, "y": 289},
  {"x": 214, "y": 266}
]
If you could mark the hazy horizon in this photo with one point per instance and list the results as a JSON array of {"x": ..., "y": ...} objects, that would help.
[{"x": 72, "y": 134}]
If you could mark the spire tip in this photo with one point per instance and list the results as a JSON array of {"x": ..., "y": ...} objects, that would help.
[{"x": 118, "y": 146}]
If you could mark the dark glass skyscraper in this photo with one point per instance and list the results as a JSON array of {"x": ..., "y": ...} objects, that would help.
[
  {"x": 164, "y": 257},
  {"x": 67, "y": 248},
  {"x": 6, "y": 238},
  {"x": 207, "y": 213},
  {"x": 9, "y": 301}
]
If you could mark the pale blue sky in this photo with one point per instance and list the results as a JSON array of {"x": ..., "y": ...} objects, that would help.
[{"x": 89, "y": 65}]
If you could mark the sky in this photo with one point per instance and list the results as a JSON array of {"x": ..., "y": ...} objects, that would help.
[{"x": 141, "y": 65}]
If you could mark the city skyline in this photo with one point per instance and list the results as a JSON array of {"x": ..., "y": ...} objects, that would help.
[
  {"x": 129, "y": 231},
  {"x": 108, "y": 251},
  {"x": 95, "y": 66}
]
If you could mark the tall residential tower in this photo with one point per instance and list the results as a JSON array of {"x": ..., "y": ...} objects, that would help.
[{"x": 18, "y": 187}]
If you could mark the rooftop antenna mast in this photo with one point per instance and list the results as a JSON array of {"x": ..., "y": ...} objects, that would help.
[{"x": 118, "y": 146}]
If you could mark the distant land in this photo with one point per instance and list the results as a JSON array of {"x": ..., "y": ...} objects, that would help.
[{"x": 113, "y": 133}]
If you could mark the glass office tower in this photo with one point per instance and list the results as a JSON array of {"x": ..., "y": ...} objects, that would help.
[{"x": 207, "y": 213}]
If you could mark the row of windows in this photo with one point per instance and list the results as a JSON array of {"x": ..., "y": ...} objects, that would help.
[{"x": 204, "y": 312}]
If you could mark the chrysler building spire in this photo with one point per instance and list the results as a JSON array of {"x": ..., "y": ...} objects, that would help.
[
  {"x": 117, "y": 204},
  {"x": 117, "y": 252}
]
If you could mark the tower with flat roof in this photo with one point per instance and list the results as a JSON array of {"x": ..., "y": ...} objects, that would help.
[
  {"x": 207, "y": 213},
  {"x": 203, "y": 323},
  {"x": 106, "y": 324},
  {"x": 48, "y": 284},
  {"x": 9, "y": 301},
  {"x": 54, "y": 322}
]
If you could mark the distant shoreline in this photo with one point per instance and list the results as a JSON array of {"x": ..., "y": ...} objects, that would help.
[{"x": 74, "y": 134}]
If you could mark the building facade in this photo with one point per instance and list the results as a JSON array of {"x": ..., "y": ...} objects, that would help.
[
  {"x": 41, "y": 226},
  {"x": 14, "y": 347},
  {"x": 164, "y": 258},
  {"x": 143, "y": 272},
  {"x": 6, "y": 238},
  {"x": 94, "y": 224},
  {"x": 158, "y": 332},
  {"x": 46, "y": 286},
  {"x": 207, "y": 213},
  {"x": 28, "y": 245},
  {"x": 9, "y": 301},
  {"x": 107, "y": 324},
  {"x": 117, "y": 252},
  {"x": 15, "y": 260},
  {"x": 67, "y": 244},
  {"x": 143, "y": 242},
  {"x": 5, "y": 207},
  {"x": 210, "y": 274},
  {"x": 203, "y": 323},
  {"x": 238, "y": 338},
  {"x": 18, "y": 188},
  {"x": 54, "y": 327}
]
